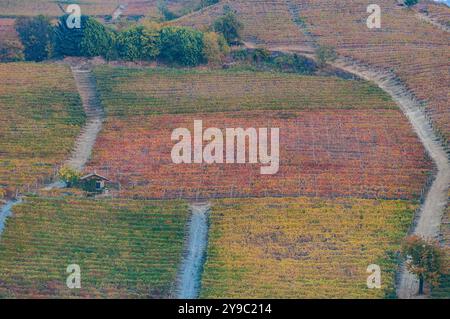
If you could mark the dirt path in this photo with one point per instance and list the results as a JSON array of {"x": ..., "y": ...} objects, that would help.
[
  {"x": 85, "y": 142},
  {"x": 189, "y": 280},
  {"x": 5, "y": 212}
]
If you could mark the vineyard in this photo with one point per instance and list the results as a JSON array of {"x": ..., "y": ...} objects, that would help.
[
  {"x": 41, "y": 115},
  {"x": 303, "y": 248},
  {"x": 438, "y": 12},
  {"x": 416, "y": 51},
  {"x": 93, "y": 7},
  {"x": 344, "y": 139},
  {"x": 125, "y": 248},
  {"x": 126, "y": 91},
  {"x": 443, "y": 291},
  {"x": 353, "y": 171},
  {"x": 265, "y": 22},
  {"x": 51, "y": 8},
  {"x": 7, "y": 30}
]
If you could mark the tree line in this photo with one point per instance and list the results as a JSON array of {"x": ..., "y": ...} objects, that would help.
[{"x": 40, "y": 40}]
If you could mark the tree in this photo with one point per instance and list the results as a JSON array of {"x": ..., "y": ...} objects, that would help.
[
  {"x": 214, "y": 47},
  {"x": 69, "y": 175},
  {"x": 325, "y": 54},
  {"x": 229, "y": 25},
  {"x": 425, "y": 259},
  {"x": 138, "y": 43},
  {"x": 181, "y": 45},
  {"x": 295, "y": 63},
  {"x": 410, "y": 3},
  {"x": 35, "y": 34},
  {"x": 11, "y": 51},
  {"x": 165, "y": 12},
  {"x": 261, "y": 55},
  {"x": 96, "y": 40},
  {"x": 207, "y": 3},
  {"x": 92, "y": 39}
]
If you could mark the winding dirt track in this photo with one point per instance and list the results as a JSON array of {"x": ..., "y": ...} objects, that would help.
[{"x": 85, "y": 142}]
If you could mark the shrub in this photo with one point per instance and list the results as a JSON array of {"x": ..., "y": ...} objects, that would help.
[
  {"x": 325, "y": 54},
  {"x": 69, "y": 176},
  {"x": 410, "y": 3},
  {"x": 36, "y": 35},
  {"x": 214, "y": 47},
  {"x": 295, "y": 63},
  {"x": 207, "y": 3},
  {"x": 166, "y": 13},
  {"x": 11, "y": 51},
  {"x": 229, "y": 25},
  {"x": 181, "y": 45},
  {"x": 240, "y": 55},
  {"x": 92, "y": 39},
  {"x": 425, "y": 259},
  {"x": 260, "y": 55},
  {"x": 97, "y": 40},
  {"x": 138, "y": 43}
]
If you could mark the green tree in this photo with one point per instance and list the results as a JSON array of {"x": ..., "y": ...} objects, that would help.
[
  {"x": 182, "y": 46},
  {"x": 214, "y": 47},
  {"x": 36, "y": 36},
  {"x": 410, "y": 3},
  {"x": 138, "y": 43},
  {"x": 207, "y": 3},
  {"x": 325, "y": 54},
  {"x": 229, "y": 25},
  {"x": 295, "y": 63},
  {"x": 92, "y": 39},
  {"x": 165, "y": 11},
  {"x": 69, "y": 176},
  {"x": 96, "y": 40},
  {"x": 261, "y": 55},
  {"x": 425, "y": 259}
]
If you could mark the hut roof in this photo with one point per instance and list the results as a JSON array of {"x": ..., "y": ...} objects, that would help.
[{"x": 94, "y": 176}]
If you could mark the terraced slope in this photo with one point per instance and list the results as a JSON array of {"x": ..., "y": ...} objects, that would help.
[
  {"x": 93, "y": 7},
  {"x": 413, "y": 49},
  {"x": 7, "y": 30},
  {"x": 125, "y": 248},
  {"x": 41, "y": 116},
  {"x": 416, "y": 51},
  {"x": 265, "y": 22},
  {"x": 436, "y": 12},
  {"x": 344, "y": 139},
  {"x": 303, "y": 248},
  {"x": 443, "y": 291}
]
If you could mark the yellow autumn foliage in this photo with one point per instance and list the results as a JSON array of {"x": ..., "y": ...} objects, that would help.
[{"x": 303, "y": 247}]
